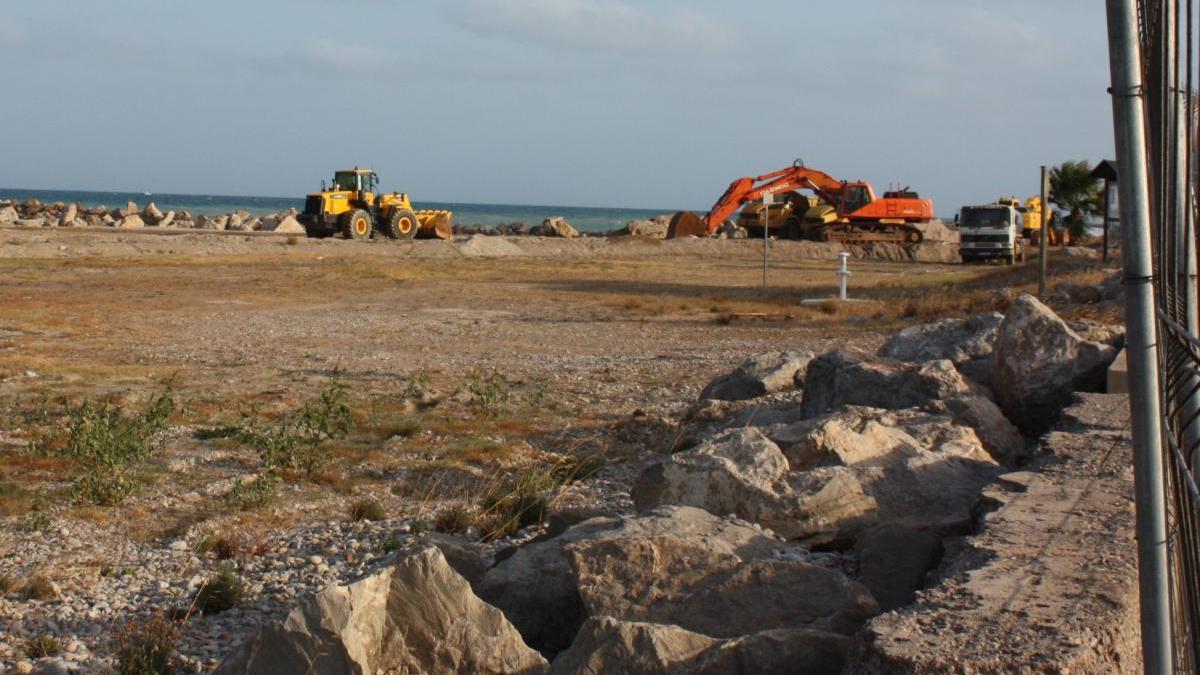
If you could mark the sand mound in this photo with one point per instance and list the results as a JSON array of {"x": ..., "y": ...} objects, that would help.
[{"x": 482, "y": 246}]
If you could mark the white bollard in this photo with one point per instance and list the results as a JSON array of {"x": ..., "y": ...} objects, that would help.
[{"x": 843, "y": 275}]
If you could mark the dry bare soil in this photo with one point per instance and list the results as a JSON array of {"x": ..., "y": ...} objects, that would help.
[{"x": 468, "y": 366}]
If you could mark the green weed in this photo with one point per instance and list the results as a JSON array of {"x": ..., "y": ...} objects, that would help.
[{"x": 145, "y": 647}]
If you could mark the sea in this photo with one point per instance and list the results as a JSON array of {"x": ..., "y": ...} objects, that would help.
[{"x": 586, "y": 219}]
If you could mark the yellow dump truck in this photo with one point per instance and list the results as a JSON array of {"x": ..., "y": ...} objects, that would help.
[{"x": 352, "y": 207}]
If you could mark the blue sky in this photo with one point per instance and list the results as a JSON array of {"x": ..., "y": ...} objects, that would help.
[{"x": 568, "y": 102}]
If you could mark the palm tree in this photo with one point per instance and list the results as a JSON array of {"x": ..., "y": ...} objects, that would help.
[{"x": 1072, "y": 188}]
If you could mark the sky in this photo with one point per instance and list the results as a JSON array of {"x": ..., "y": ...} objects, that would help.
[{"x": 650, "y": 104}]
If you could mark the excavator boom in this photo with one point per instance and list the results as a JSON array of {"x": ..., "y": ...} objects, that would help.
[{"x": 844, "y": 202}]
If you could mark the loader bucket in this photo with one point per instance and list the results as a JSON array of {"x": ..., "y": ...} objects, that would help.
[
  {"x": 436, "y": 224},
  {"x": 685, "y": 224}
]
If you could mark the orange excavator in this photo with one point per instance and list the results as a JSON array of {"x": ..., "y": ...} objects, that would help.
[{"x": 845, "y": 211}]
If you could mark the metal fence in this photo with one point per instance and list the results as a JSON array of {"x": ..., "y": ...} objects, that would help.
[{"x": 1153, "y": 55}]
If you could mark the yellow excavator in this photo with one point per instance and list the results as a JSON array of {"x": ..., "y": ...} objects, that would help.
[
  {"x": 1031, "y": 214},
  {"x": 352, "y": 207}
]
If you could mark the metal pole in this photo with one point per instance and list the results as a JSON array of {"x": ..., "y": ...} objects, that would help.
[
  {"x": 766, "y": 231},
  {"x": 1129, "y": 132},
  {"x": 1106, "y": 220},
  {"x": 843, "y": 275},
  {"x": 1045, "y": 190}
]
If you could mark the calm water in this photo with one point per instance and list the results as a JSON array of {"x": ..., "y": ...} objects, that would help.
[{"x": 587, "y": 219}]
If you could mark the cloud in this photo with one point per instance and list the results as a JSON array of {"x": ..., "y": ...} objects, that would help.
[
  {"x": 592, "y": 25},
  {"x": 335, "y": 57}
]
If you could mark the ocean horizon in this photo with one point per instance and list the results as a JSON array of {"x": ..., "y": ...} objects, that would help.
[{"x": 584, "y": 218}]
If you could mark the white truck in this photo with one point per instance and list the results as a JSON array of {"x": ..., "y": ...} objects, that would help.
[{"x": 990, "y": 231}]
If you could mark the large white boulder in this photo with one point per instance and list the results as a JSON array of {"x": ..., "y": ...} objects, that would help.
[
  {"x": 760, "y": 375},
  {"x": 418, "y": 616}
]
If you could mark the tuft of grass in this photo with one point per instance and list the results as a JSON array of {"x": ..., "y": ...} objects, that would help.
[
  {"x": 519, "y": 503},
  {"x": 453, "y": 519},
  {"x": 367, "y": 509},
  {"x": 405, "y": 427},
  {"x": 224, "y": 546},
  {"x": 109, "y": 446},
  {"x": 415, "y": 385},
  {"x": 14, "y": 499},
  {"x": 573, "y": 469},
  {"x": 35, "y": 521},
  {"x": 829, "y": 307},
  {"x": 8, "y": 583},
  {"x": 39, "y": 587},
  {"x": 145, "y": 647},
  {"x": 42, "y": 646},
  {"x": 217, "y": 433},
  {"x": 224, "y": 590},
  {"x": 391, "y": 544}
]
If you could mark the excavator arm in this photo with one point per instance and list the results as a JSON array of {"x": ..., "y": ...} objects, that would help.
[{"x": 743, "y": 190}]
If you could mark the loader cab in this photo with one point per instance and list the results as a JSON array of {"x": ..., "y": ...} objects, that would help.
[{"x": 355, "y": 181}]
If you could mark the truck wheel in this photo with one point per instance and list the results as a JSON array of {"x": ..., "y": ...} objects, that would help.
[
  {"x": 402, "y": 224},
  {"x": 356, "y": 224}
]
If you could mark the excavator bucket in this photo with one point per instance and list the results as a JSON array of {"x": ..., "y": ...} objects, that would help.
[
  {"x": 685, "y": 224},
  {"x": 436, "y": 224}
]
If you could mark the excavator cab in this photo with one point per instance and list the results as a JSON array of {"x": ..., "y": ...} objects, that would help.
[{"x": 856, "y": 197}]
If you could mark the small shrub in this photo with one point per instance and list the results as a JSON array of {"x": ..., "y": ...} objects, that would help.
[
  {"x": 39, "y": 587},
  {"x": 830, "y": 307},
  {"x": 217, "y": 433},
  {"x": 145, "y": 647},
  {"x": 35, "y": 521},
  {"x": 222, "y": 591},
  {"x": 7, "y": 583},
  {"x": 254, "y": 494},
  {"x": 415, "y": 385},
  {"x": 42, "y": 646},
  {"x": 224, "y": 546},
  {"x": 453, "y": 519},
  {"x": 418, "y": 527},
  {"x": 405, "y": 427},
  {"x": 391, "y": 545},
  {"x": 367, "y": 509},
  {"x": 300, "y": 442},
  {"x": 724, "y": 319},
  {"x": 108, "y": 446},
  {"x": 489, "y": 391}
]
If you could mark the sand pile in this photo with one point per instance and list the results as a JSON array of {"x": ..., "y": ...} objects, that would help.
[{"x": 482, "y": 246}]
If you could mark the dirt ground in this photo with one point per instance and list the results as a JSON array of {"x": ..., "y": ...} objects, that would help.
[{"x": 465, "y": 362}]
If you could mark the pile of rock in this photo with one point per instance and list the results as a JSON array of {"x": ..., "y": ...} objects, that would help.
[
  {"x": 33, "y": 213},
  {"x": 818, "y": 491}
]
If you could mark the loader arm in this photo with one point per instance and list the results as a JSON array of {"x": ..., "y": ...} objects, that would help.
[{"x": 796, "y": 177}]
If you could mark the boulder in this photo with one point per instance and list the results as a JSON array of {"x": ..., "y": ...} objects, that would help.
[
  {"x": 151, "y": 214},
  {"x": 268, "y": 223},
  {"x": 418, "y": 616},
  {"x": 557, "y": 226},
  {"x": 698, "y": 583},
  {"x": 966, "y": 342},
  {"x": 130, "y": 209},
  {"x": 646, "y": 228},
  {"x": 464, "y": 556},
  {"x": 841, "y": 378},
  {"x": 741, "y": 472},
  {"x": 168, "y": 220},
  {"x": 732, "y": 231},
  {"x": 130, "y": 222},
  {"x": 8, "y": 215},
  {"x": 760, "y": 375},
  {"x": 1041, "y": 362},
  {"x": 94, "y": 220},
  {"x": 36, "y": 221},
  {"x": 289, "y": 225},
  {"x": 70, "y": 213},
  {"x": 536, "y": 589},
  {"x": 607, "y": 645}
]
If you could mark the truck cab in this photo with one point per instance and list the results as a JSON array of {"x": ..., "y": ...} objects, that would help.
[{"x": 990, "y": 231}]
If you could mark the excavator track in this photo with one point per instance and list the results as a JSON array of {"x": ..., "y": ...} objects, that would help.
[{"x": 858, "y": 234}]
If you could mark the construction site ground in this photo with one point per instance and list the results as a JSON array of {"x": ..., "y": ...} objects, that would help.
[{"x": 594, "y": 344}]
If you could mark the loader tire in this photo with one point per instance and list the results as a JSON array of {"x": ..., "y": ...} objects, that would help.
[
  {"x": 356, "y": 224},
  {"x": 402, "y": 224}
]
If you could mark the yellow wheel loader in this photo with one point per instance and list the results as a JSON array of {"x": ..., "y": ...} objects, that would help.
[{"x": 352, "y": 207}]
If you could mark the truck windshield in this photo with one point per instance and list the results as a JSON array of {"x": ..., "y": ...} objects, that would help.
[{"x": 997, "y": 217}]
